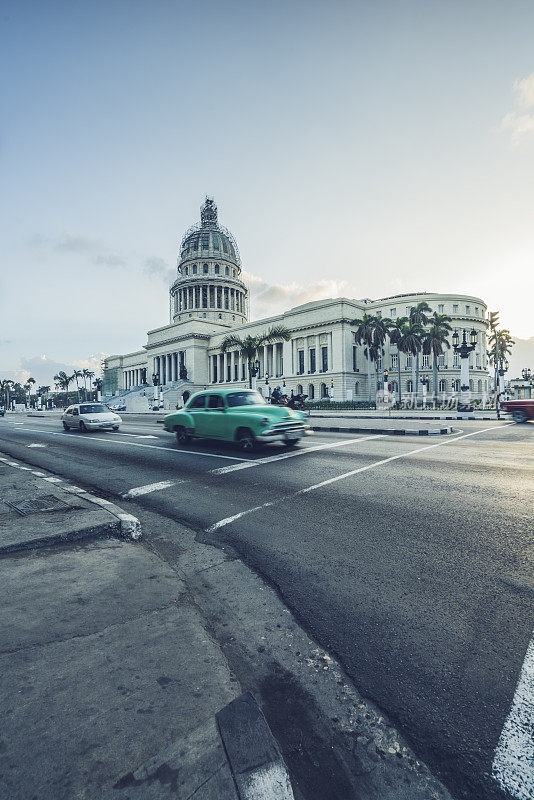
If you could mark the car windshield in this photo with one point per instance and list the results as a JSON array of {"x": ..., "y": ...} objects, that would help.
[
  {"x": 245, "y": 399},
  {"x": 95, "y": 408}
]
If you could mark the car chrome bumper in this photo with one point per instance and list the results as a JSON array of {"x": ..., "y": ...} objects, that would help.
[
  {"x": 101, "y": 426},
  {"x": 293, "y": 434}
]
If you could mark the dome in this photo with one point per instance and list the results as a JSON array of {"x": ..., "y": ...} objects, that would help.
[
  {"x": 208, "y": 238},
  {"x": 209, "y": 283}
]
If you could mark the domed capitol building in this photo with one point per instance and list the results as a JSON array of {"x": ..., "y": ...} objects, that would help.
[{"x": 322, "y": 359}]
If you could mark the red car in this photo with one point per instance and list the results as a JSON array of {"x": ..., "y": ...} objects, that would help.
[{"x": 521, "y": 410}]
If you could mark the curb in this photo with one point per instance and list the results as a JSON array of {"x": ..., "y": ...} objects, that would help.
[
  {"x": 129, "y": 526},
  {"x": 257, "y": 765},
  {"x": 375, "y": 416},
  {"x": 387, "y": 431}
]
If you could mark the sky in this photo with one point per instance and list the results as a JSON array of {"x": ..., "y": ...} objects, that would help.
[{"x": 353, "y": 148}]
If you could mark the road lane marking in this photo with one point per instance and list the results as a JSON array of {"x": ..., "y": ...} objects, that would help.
[
  {"x": 53, "y": 480},
  {"x": 150, "y": 487},
  {"x": 223, "y": 522},
  {"x": 35, "y": 444},
  {"x": 514, "y": 755},
  {"x": 293, "y": 453},
  {"x": 92, "y": 438},
  {"x": 139, "y": 435}
]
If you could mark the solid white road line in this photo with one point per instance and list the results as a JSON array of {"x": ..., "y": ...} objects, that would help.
[
  {"x": 35, "y": 444},
  {"x": 91, "y": 438},
  {"x": 138, "y": 435},
  {"x": 513, "y": 762},
  {"x": 223, "y": 522},
  {"x": 293, "y": 453},
  {"x": 150, "y": 487}
]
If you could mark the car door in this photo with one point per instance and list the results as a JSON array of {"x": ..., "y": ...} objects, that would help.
[
  {"x": 67, "y": 418},
  {"x": 198, "y": 412},
  {"x": 214, "y": 417},
  {"x": 75, "y": 419}
]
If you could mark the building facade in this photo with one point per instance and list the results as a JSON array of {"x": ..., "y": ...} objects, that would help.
[{"x": 322, "y": 359}]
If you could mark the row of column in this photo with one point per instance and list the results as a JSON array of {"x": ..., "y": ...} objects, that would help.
[
  {"x": 210, "y": 297},
  {"x": 134, "y": 377},
  {"x": 168, "y": 366},
  {"x": 223, "y": 365}
]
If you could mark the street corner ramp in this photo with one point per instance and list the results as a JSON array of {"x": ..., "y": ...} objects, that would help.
[
  {"x": 231, "y": 756},
  {"x": 256, "y": 762}
]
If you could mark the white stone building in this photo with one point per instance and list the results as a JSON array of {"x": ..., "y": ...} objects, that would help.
[{"x": 322, "y": 359}]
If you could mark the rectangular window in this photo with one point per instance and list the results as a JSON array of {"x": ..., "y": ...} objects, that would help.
[
  {"x": 441, "y": 308},
  {"x": 324, "y": 359},
  {"x": 476, "y": 311},
  {"x": 214, "y": 370},
  {"x": 225, "y": 247},
  {"x": 408, "y": 362},
  {"x": 408, "y": 310},
  {"x": 392, "y": 312},
  {"x": 243, "y": 371},
  {"x": 441, "y": 360},
  {"x": 312, "y": 359},
  {"x": 468, "y": 309},
  {"x": 226, "y": 302},
  {"x": 301, "y": 362},
  {"x": 215, "y": 240},
  {"x": 478, "y": 359},
  {"x": 205, "y": 242},
  {"x": 354, "y": 358},
  {"x": 456, "y": 360},
  {"x": 394, "y": 361},
  {"x": 426, "y": 361},
  {"x": 455, "y": 309},
  {"x": 228, "y": 371}
]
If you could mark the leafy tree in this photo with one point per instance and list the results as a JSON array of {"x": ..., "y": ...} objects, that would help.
[
  {"x": 434, "y": 339},
  {"x": 63, "y": 381},
  {"x": 364, "y": 334},
  {"x": 397, "y": 333},
  {"x": 249, "y": 346},
  {"x": 419, "y": 316},
  {"x": 5, "y": 387},
  {"x": 28, "y": 386},
  {"x": 412, "y": 342}
]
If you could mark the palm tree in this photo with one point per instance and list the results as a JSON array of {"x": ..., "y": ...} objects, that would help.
[
  {"x": 5, "y": 386},
  {"x": 87, "y": 373},
  {"x": 418, "y": 315},
  {"x": 433, "y": 341},
  {"x": 75, "y": 375},
  {"x": 63, "y": 381},
  {"x": 28, "y": 386},
  {"x": 249, "y": 346},
  {"x": 397, "y": 333},
  {"x": 97, "y": 384},
  {"x": 364, "y": 334},
  {"x": 381, "y": 330},
  {"x": 412, "y": 342}
]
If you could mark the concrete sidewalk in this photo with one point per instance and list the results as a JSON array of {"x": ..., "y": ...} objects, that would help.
[{"x": 111, "y": 684}]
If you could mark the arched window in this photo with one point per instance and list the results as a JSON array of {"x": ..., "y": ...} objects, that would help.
[
  {"x": 186, "y": 270},
  {"x": 471, "y": 384},
  {"x": 234, "y": 272},
  {"x": 324, "y": 392},
  {"x": 356, "y": 388},
  {"x": 456, "y": 385},
  {"x": 394, "y": 386},
  {"x": 205, "y": 269},
  {"x": 216, "y": 269},
  {"x": 480, "y": 387},
  {"x": 194, "y": 269},
  {"x": 226, "y": 271},
  {"x": 299, "y": 389},
  {"x": 443, "y": 385},
  {"x": 409, "y": 385},
  {"x": 311, "y": 391}
]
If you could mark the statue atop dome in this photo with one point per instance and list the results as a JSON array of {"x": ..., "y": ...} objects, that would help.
[{"x": 208, "y": 212}]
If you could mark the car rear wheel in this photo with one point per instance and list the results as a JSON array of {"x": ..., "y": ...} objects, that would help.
[
  {"x": 245, "y": 439},
  {"x": 65, "y": 426},
  {"x": 83, "y": 427},
  {"x": 519, "y": 415},
  {"x": 182, "y": 437},
  {"x": 115, "y": 427}
]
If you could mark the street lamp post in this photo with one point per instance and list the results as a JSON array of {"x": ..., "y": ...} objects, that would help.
[
  {"x": 464, "y": 349},
  {"x": 503, "y": 367},
  {"x": 254, "y": 370},
  {"x": 526, "y": 374},
  {"x": 424, "y": 383}
]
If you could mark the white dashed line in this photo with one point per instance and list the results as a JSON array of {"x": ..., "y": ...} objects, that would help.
[
  {"x": 53, "y": 480},
  {"x": 292, "y": 454},
  {"x": 345, "y": 475},
  {"x": 138, "y": 435},
  {"x": 513, "y": 763},
  {"x": 35, "y": 444},
  {"x": 150, "y": 487}
]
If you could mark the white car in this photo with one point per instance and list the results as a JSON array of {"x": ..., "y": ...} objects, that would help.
[{"x": 90, "y": 417}]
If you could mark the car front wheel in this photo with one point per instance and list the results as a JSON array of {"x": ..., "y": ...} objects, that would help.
[
  {"x": 65, "y": 426},
  {"x": 182, "y": 436},
  {"x": 83, "y": 427},
  {"x": 245, "y": 439}
]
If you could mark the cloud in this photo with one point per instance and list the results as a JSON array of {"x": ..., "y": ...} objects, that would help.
[
  {"x": 269, "y": 299},
  {"x": 519, "y": 123},
  {"x": 43, "y": 368},
  {"x": 70, "y": 243},
  {"x": 158, "y": 268}
]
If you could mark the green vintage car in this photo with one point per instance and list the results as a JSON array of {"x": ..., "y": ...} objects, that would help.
[{"x": 236, "y": 415}]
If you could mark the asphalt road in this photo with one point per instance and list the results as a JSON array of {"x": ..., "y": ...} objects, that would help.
[{"x": 408, "y": 559}]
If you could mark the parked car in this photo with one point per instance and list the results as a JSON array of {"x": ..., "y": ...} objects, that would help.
[
  {"x": 2, "y": 412},
  {"x": 236, "y": 415},
  {"x": 90, "y": 417},
  {"x": 521, "y": 410}
]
